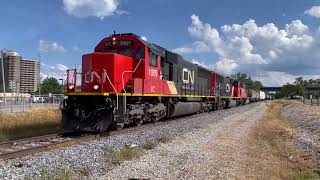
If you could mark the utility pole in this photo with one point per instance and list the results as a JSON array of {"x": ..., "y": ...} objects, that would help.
[
  {"x": 3, "y": 80},
  {"x": 39, "y": 84},
  {"x": 61, "y": 79}
]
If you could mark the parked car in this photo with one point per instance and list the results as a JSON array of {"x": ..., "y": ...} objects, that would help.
[{"x": 37, "y": 99}]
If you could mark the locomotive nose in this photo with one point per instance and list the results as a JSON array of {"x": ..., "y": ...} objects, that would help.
[{"x": 102, "y": 72}]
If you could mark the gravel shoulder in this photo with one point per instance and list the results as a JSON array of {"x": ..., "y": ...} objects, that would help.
[
  {"x": 213, "y": 151},
  {"x": 196, "y": 140}
]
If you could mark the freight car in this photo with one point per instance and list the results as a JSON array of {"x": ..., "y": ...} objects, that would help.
[{"x": 127, "y": 80}]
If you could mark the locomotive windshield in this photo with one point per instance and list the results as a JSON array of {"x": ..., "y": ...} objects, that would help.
[
  {"x": 125, "y": 51},
  {"x": 123, "y": 47}
]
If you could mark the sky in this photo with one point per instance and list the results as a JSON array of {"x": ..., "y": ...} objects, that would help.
[{"x": 273, "y": 41}]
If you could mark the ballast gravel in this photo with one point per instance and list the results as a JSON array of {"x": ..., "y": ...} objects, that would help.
[
  {"x": 90, "y": 156},
  {"x": 306, "y": 120},
  {"x": 215, "y": 151}
]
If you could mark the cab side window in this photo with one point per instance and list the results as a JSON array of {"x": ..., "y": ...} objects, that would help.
[
  {"x": 140, "y": 53},
  {"x": 153, "y": 59}
]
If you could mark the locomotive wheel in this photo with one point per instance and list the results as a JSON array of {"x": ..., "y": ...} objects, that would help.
[
  {"x": 154, "y": 119},
  {"x": 119, "y": 126},
  {"x": 138, "y": 122}
]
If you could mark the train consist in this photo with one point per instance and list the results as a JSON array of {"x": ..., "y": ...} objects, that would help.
[{"x": 127, "y": 80}]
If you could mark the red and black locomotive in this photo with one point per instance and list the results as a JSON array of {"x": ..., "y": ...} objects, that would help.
[{"x": 127, "y": 80}]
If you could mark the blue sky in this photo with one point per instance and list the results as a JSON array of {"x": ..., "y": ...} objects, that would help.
[{"x": 61, "y": 35}]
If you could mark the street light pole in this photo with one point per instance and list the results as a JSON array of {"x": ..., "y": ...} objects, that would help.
[{"x": 3, "y": 80}]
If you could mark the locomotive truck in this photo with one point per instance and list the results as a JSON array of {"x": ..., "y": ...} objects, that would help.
[{"x": 128, "y": 80}]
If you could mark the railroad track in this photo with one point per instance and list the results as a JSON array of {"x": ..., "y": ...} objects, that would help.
[
  {"x": 28, "y": 146},
  {"x": 23, "y": 147}
]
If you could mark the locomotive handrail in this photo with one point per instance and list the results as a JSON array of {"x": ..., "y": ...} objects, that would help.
[
  {"x": 115, "y": 90},
  {"x": 124, "y": 89}
]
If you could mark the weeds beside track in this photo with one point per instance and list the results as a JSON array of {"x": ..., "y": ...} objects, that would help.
[{"x": 39, "y": 121}]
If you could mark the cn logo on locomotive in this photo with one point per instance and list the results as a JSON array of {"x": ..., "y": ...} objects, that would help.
[{"x": 187, "y": 76}]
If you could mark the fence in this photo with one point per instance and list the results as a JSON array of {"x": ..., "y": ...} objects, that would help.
[
  {"x": 312, "y": 102},
  {"x": 22, "y": 103}
]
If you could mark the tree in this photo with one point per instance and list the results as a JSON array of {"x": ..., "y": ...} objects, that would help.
[
  {"x": 256, "y": 85},
  {"x": 51, "y": 85},
  {"x": 312, "y": 82},
  {"x": 288, "y": 90},
  {"x": 251, "y": 84},
  {"x": 300, "y": 86},
  {"x": 8, "y": 89}
]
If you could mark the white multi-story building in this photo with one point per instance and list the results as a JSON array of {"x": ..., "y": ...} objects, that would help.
[{"x": 21, "y": 75}]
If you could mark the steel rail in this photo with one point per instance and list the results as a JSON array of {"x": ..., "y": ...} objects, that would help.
[
  {"x": 37, "y": 149},
  {"x": 28, "y": 140}
]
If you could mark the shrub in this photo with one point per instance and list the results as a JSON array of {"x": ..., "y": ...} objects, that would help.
[
  {"x": 149, "y": 145},
  {"x": 165, "y": 139},
  {"x": 118, "y": 157}
]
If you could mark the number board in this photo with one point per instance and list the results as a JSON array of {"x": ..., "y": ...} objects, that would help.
[
  {"x": 121, "y": 43},
  {"x": 107, "y": 44},
  {"x": 125, "y": 43}
]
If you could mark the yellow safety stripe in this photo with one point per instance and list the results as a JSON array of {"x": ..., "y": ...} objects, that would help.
[
  {"x": 86, "y": 94},
  {"x": 129, "y": 94},
  {"x": 146, "y": 95}
]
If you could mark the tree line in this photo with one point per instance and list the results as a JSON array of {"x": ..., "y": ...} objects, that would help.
[
  {"x": 48, "y": 85},
  {"x": 298, "y": 88},
  {"x": 247, "y": 80}
]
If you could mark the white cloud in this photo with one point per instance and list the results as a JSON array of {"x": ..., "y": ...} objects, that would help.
[
  {"x": 296, "y": 28},
  {"x": 197, "y": 47},
  {"x": 313, "y": 11},
  {"x": 250, "y": 48},
  {"x": 203, "y": 64},
  {"x": 61, "y": 67},
  {"x": 96, "y": 8},
  {"x": 226, "y": 66},
  {"x": 274, "y": 78},
  {"x": 47, "y": 47},
  {"x": 57, "y": 71}
]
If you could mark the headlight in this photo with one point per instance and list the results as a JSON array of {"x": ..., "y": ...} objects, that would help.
[
  {"x": 71, "y": 86},
  {"x": 96, "y": 87}
]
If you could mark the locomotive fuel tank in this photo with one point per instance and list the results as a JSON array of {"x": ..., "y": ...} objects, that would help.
[{"x": 184, "y": 108}]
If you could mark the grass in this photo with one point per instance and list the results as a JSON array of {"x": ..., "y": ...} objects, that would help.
[
  {"x": 40, "y": 121},
  {"x": 203, "y": 128},
  {"x": 85, "y": 171},
  {"x": 272, "y": 153},
  {"x": 118, "y": 157},
  {"x": 62, "y": 174},
  {"x": 165, "y": 139},
  {"x": 149, "y": 145}
]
